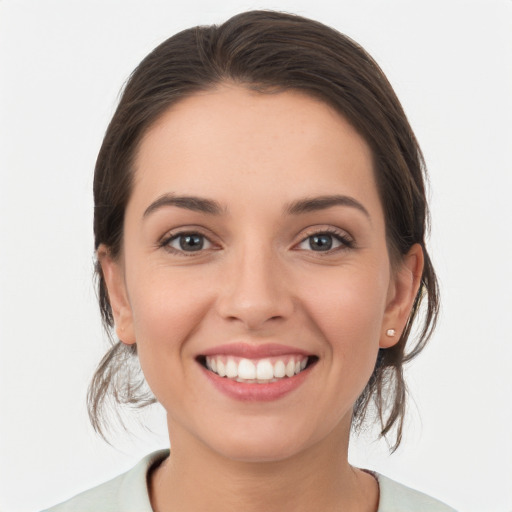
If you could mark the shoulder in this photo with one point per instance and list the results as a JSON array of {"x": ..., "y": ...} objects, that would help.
[
  {"x": 126, "y": 492},
  {"x": 395, "y": 497}
]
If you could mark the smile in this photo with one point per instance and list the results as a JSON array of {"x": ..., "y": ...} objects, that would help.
[{"x": 256, "y": 371}]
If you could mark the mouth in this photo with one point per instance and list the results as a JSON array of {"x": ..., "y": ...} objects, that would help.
[{"x": 257, "y": 371}]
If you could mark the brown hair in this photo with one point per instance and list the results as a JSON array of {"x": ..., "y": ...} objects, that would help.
[{"x": 270, "y": 51}]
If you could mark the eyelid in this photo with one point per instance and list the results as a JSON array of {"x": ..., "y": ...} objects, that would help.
[
  {"x": 346, "y": 240},
  {"x": 174, "y": 234},
  {"x": 177, "y": 237}
]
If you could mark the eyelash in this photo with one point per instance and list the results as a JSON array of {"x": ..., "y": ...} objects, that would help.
[
  {"x": 165, "y": 243},
  {"x": 346, "y": 241}
]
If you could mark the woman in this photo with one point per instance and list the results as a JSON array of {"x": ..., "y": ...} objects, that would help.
[{"x": 260, "y": 224}]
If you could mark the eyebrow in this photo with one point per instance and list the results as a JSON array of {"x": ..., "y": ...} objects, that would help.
[
  {"x": 196, "y": 204},
  {"x": 211, "y": 207},
  {"x": 322, "y": 203}
]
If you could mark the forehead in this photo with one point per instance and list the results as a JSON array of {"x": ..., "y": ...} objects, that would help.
[{"x": 277, "y": 145}]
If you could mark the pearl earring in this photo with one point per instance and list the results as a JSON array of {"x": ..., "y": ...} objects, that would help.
[{"x": 390, "y": 332}]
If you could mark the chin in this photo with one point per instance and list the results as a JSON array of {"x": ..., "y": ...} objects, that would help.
[
  {"x": 263, "y": 442},
  {"x": 255, "y": 452}
]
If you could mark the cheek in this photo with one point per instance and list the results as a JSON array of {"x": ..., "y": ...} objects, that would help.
[
  {"x": 161, "y": 298},
  {"x": 167, "y": 308},
  {"x": 348, "y": 309},
  {"x": 352, "y": 295}
]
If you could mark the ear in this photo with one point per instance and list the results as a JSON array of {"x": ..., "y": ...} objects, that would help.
[
  {"x": 402, "y": 291},
  {"x": 113, "y": 274}
]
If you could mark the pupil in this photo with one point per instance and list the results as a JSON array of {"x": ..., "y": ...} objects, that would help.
[
  {"x": 320, "y": 242},
  {"x": 191, "y": 242}
]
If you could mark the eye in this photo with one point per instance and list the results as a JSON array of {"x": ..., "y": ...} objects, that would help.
[
  {"x": 188, "y": 242},
  {"x": 325, "y": 242}
]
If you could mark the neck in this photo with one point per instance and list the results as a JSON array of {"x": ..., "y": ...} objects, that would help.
[{"x": 318, "y": 478}]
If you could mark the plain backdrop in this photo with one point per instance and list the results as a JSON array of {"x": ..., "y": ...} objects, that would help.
[{"x": 62, "y": 64}]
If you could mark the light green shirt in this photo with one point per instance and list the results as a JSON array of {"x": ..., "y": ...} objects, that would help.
[{"x": 129, "y": 493}]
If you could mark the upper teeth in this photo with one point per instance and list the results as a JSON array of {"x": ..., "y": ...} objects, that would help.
[{"x": 262, "y": 370}]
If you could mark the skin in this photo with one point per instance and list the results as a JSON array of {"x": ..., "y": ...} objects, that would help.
[{"x": 258, "y": 280}]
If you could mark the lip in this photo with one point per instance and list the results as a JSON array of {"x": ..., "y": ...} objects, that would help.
[
  {"x": 256, "y": 392},
  {"x": 249, "y": 351}
]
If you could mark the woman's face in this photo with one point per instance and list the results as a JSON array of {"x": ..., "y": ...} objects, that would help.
[{"x": 254, "y": 244}]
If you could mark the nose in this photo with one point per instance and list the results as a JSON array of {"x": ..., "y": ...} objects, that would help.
[{"x": 255, "y": 290}]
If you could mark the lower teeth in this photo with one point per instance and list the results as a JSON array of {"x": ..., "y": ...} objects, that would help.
[{"x": 254, "y": 381}]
